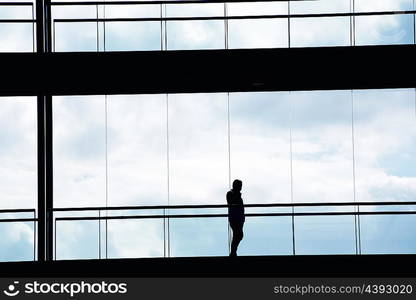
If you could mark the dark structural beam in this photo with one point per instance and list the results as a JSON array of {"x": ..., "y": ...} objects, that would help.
[
  {"x": 44, "y": 128},
  {"x": 41, "y": 207},
  {"x": 209, "y": 71},
  {"x": 324, "y": 266},
  {"x": 176, "y": 2},
  {"x": 49, "y": 176}
]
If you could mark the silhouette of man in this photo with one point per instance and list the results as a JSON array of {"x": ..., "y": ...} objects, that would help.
[{"x": 236, "y": 215}]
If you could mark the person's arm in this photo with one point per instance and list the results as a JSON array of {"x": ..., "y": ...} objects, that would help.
[{"x": 229, "y": 198}]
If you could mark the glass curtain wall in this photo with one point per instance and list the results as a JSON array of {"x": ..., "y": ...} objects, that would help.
[
  {"x": 286, "y": 147},
  {"x": 138, "y": 27},
  {"x": 277, "y": 24}
]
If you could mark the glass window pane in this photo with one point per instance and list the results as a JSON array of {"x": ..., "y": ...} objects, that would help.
[
  {"x": 195, "y": 10},
  {"x": 325, "y": 235},
  {"x": 322, "y": 146},
  {"x": 77, "y": 240},
  {"x": 267, "y": 236},
  {"x": 198, "y": 34},
  {"x": 132, "y": 11},
  {"x": 135, "y": 238},
  {"x": 188, "y": 35},
  {"x": 18, "y": 152},
  {"x": 137, "y": 150},
  {"x": 318, "y": 32},
  {"x": 18, "y": 173},
  {"x": 388, "y": 234},
  {"x": 79, "y": 151},
  {"x": 385, "y": 5},
  {"x": 384, "y": 30},
  {"x": 75, "y": 36},
  {"x": 17, "y": 240},
  {"x": 75, "y": 11},
  {"x": 260, "y": 145},
  {"x": 198, "y": 148},
  {"x": 257, "y": 8},
  {"x": 15, "y": 37},
  {"x": 258, "y": 33},
  {"x": 16, "y": 12},
  {"x": 132, "y": 36},
  {"x": 199, "y": 237},
  {"x": 320, "y": 7},
  {"x": 385, "y": 143}
]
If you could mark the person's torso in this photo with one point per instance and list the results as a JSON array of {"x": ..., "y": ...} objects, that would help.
[{"x": 236, "y": 209}]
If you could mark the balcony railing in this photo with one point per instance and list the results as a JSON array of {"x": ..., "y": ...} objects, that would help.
[
  {"x": 95, "y": 26},
  {"x": 164, "y": 216},
  {"x": 292, "y": 213}
]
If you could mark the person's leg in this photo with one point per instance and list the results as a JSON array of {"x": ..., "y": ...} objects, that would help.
[
  {"x": 240, "y": 234},
  {"x": 237, "y": 237},
  {"x": 233, "y": 241}
]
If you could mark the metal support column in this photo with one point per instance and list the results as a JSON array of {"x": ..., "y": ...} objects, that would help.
[
  {"x": 41, "y": 240},
  {"x": 49, "y": 177},
  {"x": 44, "y": 139}
]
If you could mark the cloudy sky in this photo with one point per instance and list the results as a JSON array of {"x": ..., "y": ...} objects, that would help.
[{"x": 326, "y": 146}]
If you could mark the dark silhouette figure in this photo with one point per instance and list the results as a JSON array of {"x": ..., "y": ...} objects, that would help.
[{"x": 236, "y": 215}]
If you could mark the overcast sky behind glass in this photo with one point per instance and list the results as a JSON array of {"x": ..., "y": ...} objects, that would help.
[{"x": 321, "y": 128}]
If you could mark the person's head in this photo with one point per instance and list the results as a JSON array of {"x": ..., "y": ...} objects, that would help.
[{"x": 237, "y": 185}]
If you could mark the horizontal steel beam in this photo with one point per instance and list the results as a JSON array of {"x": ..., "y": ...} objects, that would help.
[
  {"x": 18, "y": 220},
  {"x": 16, "y": 3},
  {"x": 206, "y": 71},
  {"x": 236, "y": 17},
  {"x": 18, "y": 21},
  {"x": 17, "y": 210},
  {"x": 305, "y": 204},
  {"x": 195, "y": 216},
  {"x": 89, "y": 3}
]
